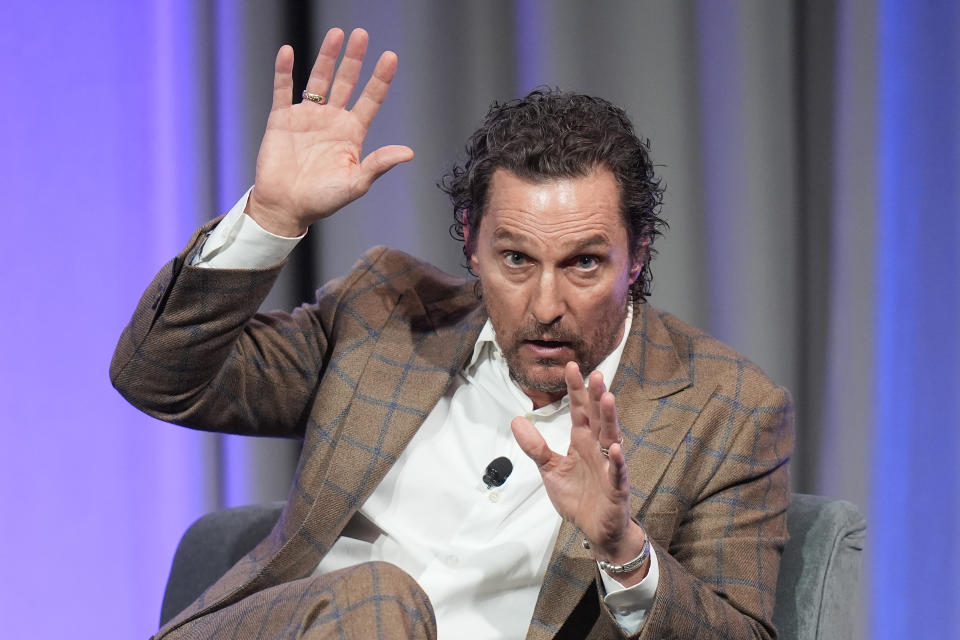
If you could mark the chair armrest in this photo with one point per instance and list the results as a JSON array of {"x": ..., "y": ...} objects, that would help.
[
  {"x": 819, "y": 577},
  {"x": 212, "y": 545}
]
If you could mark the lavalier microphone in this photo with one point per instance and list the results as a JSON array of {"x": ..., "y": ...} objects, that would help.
[{"x": 497, "y": 472}]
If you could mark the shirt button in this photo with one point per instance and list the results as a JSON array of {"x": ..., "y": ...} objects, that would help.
[
  {"x": 451, "y": 560},
  {"x": 494, "y": 496}
]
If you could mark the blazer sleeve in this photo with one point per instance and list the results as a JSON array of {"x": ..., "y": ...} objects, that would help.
[
  {"x": 718, "y": 574},
  {"x": 197, "y": 353}
]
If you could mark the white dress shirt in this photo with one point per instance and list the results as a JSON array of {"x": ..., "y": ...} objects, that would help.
[{"x": 480, "y": 554}]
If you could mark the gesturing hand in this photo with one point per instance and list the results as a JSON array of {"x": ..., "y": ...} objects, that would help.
[
  {"x": 309, "y": 164},
  {"x": 585, "y": 486}
]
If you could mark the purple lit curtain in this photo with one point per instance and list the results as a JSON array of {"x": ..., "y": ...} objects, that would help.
[{"x": 811, "y": 152}]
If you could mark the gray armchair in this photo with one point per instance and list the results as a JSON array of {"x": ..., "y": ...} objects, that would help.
[
  {"x": 820, "y": 569},
  {"x": 819, "y": 572}
]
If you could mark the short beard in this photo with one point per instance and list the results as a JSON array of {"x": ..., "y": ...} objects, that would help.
[
  {"x": 532, "y": 384},
  {"x": 588, "y": 353}
]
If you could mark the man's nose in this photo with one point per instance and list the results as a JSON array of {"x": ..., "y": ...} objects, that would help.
[{"x": 548, "y": 304}]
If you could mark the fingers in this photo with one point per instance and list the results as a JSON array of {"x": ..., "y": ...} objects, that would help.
[
  {"x": 283, "y": 78},
  {"x": 595, "y": 392},
  {"x": 341, "y": 81},
  {"x": 602, "y": 408},
  {"x": 617, "y": 469},
  {"x": 531, "y": 442},
  {"x": 579, "y": 398},
  {"x": 375, "y": 91},
  {"x": 349, "y": 70},
  {"x": 604, "y": 405},
  {"x": 592, "y": 407},
  {"x": 322, "y": 73}
]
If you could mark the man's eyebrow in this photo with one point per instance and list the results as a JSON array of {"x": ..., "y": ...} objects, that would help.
[
  {"x": 508, "y": 236},
  {"x": 593, "y": 242}
]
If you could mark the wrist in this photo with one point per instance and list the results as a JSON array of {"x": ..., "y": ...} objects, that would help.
[
  {"x": 629, "y": 560},
  {"x": 277, "y": 224}
]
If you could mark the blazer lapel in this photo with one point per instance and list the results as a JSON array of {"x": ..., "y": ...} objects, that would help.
[
  {"x": 413, "y": 362},
  {"x": 652, "y": 370},
  {"x": 655, "y": 372}
]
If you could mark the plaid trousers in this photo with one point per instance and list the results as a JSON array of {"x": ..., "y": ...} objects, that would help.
[{"x": 370, "y": 600}]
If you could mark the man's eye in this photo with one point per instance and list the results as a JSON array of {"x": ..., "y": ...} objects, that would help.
[
  {"x": 515, "y": 258},
  {"x": 587, "y": 262}
]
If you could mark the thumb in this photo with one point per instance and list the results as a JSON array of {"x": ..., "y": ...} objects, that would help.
[
  {"x": 531, "y": 442},
  {"x": 382, "y": 160}
]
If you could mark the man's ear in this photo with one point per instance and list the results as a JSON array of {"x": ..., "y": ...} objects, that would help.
[
  {"x": 471, "y": 255},
  {"x": 639, "y": 259}
]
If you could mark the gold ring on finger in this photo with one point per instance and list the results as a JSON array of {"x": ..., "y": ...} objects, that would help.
[{"x": 313, "y": 97}]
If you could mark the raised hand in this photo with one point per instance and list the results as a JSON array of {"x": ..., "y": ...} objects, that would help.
[
  {"x": 585, "y": 486},
  {"x": 310, "y": 162}
]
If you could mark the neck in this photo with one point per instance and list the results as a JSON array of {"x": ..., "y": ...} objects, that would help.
[{"x": 543, "y": 398}]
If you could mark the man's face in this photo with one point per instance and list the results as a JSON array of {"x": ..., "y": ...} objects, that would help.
[{"x": 554, "y": 262}]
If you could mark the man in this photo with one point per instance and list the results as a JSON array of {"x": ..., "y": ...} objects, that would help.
[{"x": 664, "y": 516}]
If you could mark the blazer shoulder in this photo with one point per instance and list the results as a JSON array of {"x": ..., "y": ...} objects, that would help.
[
  {"x": 398, "y": 271},
  {"x": 714, "y": 362}
]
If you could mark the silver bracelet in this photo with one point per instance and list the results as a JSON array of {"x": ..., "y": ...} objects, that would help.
[
  {"x": 630, "y": 565},
  {"x": 627, "y": 566}
]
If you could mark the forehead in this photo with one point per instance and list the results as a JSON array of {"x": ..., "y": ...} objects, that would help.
[{"x": 556, "y": 211}]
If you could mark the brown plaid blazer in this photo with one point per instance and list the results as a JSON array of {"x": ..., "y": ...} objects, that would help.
[{"x": 355, "y": 373}]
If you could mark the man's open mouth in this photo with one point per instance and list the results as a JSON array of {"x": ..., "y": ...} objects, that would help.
[
  {"x": 548, "y": 343},
  {"x": 548, "y": 349}
]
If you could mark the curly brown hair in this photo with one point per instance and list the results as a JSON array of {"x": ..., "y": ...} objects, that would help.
[{"x": 557, "y": 134}]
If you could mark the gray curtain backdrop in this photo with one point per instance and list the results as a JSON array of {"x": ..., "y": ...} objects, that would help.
[{"x": 761, "y": 116}]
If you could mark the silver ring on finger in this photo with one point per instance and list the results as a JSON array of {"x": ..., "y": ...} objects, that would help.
[
  {"x": 605, "y": 451},
  {"x": 313, "y": 97}
]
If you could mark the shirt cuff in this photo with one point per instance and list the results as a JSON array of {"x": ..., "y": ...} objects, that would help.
[
  {"x": 238, "y": 242},
  {"x": 629, "y": 605}
]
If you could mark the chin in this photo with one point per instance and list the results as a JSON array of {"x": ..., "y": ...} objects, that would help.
[{"x": 542, "y": 378}]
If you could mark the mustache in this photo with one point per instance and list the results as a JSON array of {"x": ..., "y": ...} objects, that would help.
[{"x": 534, "y": 330}]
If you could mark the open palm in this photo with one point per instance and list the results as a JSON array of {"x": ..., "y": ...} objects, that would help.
[
  {"x": 586, "y": 487},
  {"x": 310, "y": 162}
]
